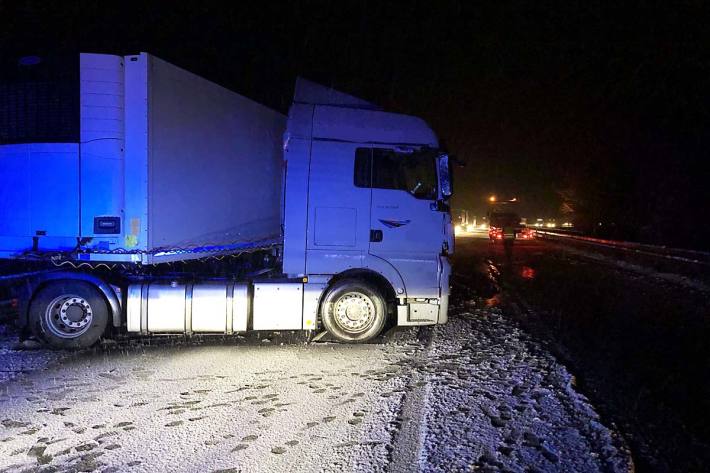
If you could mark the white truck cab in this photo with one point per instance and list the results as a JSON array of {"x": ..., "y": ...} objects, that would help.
[{"x": 366, "y": 195}]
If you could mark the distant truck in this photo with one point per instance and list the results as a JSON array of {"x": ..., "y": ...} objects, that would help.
[
  {"x": 156, "y": 202},
  {"x": 503, "y": 224}
]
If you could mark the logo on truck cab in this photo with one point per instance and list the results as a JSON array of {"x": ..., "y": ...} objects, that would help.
[{"x": 394, "y": 223}]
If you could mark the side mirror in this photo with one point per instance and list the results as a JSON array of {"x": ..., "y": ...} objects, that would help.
[{"x": 445, "y": 183}]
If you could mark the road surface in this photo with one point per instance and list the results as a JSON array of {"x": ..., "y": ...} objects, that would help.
[
  {"x": 632, "y": 328},
  {"x": 476, "y": 392}
]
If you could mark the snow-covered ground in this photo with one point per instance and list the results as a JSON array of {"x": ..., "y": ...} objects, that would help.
[
  {"x": 476, "y": 393},
  {"x": 17, "y": 358},
  {"x": 498, "y": 400}
]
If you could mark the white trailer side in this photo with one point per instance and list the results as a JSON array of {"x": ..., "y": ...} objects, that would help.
[
  {"x": 167, "y": 166},
  {"x": 213, "y": 162}
]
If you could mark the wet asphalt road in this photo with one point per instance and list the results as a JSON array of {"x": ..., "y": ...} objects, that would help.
[{"x": 635, "y": 337}]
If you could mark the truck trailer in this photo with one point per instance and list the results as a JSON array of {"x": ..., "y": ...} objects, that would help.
[{"x": 144, "y": 199}]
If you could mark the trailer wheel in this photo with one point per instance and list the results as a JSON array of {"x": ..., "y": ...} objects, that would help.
[
  {"x": 68, "y": 314},
  {"x": 353, "y": 311}
]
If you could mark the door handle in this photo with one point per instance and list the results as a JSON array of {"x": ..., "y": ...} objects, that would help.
[{"x": 375, "y": 235}]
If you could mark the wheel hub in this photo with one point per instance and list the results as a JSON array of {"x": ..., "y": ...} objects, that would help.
[
  {"x": 354, "y": 312},
  {"x": 68, "y": 316}
]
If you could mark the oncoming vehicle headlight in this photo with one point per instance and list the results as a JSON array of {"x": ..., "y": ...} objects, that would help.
[
  {"x": 457, "y": 229},
  {"x": 470, "y": 228}
]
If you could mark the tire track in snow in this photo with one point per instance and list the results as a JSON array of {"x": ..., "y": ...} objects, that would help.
[{"x": 405, "y": 446}]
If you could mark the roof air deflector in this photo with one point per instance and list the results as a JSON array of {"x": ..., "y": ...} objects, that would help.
[{"x": 316, "y": 94}]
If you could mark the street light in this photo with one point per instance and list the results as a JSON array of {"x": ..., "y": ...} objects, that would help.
[{"x": 492, "y": 198}]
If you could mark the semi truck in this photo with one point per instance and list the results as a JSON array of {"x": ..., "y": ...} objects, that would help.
[{"x": 143, "y": 199}]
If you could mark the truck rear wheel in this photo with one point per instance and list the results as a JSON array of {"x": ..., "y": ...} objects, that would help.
[
  {"x": 68, "y": 314},
  {"x": 353, "y": 311}
]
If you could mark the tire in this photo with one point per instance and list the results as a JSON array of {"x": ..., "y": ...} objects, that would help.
[
  {"x": 68, "y": 314},
  {"x": 367, "y": 307}
]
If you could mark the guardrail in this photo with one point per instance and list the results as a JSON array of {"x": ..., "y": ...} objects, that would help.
[{"x": 677, "y": 254}]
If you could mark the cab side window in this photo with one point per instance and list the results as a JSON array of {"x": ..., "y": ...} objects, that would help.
[{"x": 383, "y": 168}]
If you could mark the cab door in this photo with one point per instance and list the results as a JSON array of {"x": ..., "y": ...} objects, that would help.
[
  {"x": 407, "y": 227},
  {"x": 338, "y": 211}
]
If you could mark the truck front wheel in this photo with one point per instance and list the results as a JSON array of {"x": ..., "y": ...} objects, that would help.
[
  {"x": 353, "y": 311},
  {"x": 68, "y": 314}
]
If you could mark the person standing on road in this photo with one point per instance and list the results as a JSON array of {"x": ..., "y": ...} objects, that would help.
[{"x": 508, "y": 240}]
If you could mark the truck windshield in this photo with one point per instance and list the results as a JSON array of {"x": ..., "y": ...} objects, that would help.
[{"x": 413, "y": 171}]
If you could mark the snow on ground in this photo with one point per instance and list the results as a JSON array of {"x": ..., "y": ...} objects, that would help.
[
  {"x": 16, "y": 358},
  {"x": 476, "y": 393},
  {"x": 252, "y": 408},
  {"x": 498, "y": 400}
]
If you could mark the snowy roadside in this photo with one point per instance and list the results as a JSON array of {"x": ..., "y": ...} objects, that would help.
[
  {"x": 17, "y": 358},
  {"x": 475, "y": 393},
  {"x": 497, "y": 400},
  {"x": 262, "y": 407}
]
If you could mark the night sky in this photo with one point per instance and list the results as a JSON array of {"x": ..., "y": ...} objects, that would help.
[{"x": 583, "y": 112}]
